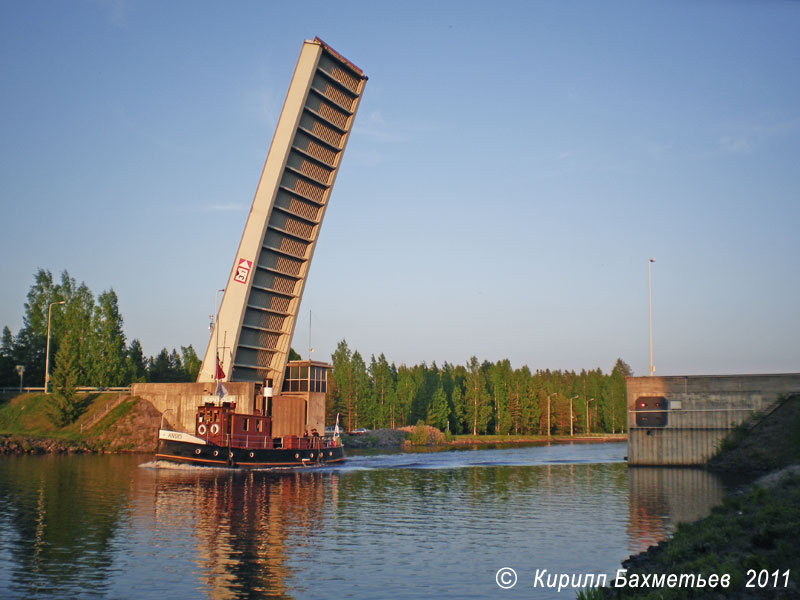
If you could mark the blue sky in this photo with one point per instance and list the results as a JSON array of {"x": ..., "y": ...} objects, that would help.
[{"x": 513, "y": 167}]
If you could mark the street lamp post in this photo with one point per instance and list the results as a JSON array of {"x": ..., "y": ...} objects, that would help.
[
  {"x": 650, "y": 305},
  {"x": 548, "y": 412},
  {"x": 571, "y": 425},
  {"x": 216, "y": 332},
  {"x": 47, "y": 350},
  {"x": 20, "y": 371}
]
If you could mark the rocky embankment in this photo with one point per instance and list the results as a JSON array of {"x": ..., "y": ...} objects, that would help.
[
  {"x": 130, "y": 427},
  {"x": 380, "y": 438},
  {"x": 15, "y": 444},
  {"x": 417, "y": 435}
]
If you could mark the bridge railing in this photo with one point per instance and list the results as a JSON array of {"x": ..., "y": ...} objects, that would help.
[{"x": 83, "y": 389}]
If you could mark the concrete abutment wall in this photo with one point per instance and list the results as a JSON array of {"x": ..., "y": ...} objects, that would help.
[
  {"x": 178, "y": 402},
  {"x": 700, "y": 410}
]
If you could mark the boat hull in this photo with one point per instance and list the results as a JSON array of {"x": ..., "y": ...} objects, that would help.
[{"x": 209, "y": 455}]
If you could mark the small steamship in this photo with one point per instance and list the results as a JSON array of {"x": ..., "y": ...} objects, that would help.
[{"x": 274, "y": 433}]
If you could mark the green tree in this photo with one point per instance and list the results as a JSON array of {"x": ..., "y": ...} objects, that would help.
[
  {"x": 438, "y": 411},
  {"x": 478, "y": 405},
  {"x": 406, "y": 391},
  {"x": 427, "y": 379},
  {"x": 66, "y": 406},
  {"x": 500, "y": 375},
  {"x": 459, "y": 409},
  {"x": 191, "y": 362},
  {"x": 361, "y": 391},
  {"x": 616, "y": 406},
  {"x": 383, "y": 391},
  {"x": 31, "y": 339},
  {"x": 523, "y": 405},
  {"x": 108, "y": 360},
  {"x": 79, "y": 327},
  {"x": 622, "y": 368},
  {"x": 342, "y": 380},
  {"x": 8, "y": 373},
  {"x": 136, "y": 363},
  {"x": 168, "y": 367}
]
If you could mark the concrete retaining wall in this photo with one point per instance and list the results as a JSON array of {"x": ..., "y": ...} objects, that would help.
[
  {"x": 178, "y": 402},
  {"x": 702, "y": 410}
]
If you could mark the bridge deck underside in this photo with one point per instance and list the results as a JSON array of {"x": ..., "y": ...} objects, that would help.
[{"x": 292, "y": 230}]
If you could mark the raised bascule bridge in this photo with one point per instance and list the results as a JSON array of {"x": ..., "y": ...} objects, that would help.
[{"x": 246, "y": 361}]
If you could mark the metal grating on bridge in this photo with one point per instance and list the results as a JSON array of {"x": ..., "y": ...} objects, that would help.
[{"x": 259, "y": 308}]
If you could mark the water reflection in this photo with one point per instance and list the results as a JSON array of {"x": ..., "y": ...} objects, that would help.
[
  {"x": 399, "y": 525},
  {"x": 58, "y": 517},
  {"x": 242, "y": 525},
  {"x": 661, "y": 498}
]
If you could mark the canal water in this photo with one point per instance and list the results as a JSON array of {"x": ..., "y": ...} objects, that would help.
[{"x": 382, "y": 525}]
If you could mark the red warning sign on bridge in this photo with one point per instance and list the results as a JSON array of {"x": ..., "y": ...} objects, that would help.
[{"x": 243, "y": 270}]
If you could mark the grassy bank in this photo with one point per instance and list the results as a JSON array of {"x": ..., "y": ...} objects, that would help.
[
  {"x": 531, "y": 439},
  {"x": 108, "y": 422},
  {"x": 751, "y": 537},
  {"x": 429, "y": 436}
]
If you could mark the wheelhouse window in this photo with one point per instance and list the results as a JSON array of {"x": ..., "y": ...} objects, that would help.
[{"x": 304, "y": 378}]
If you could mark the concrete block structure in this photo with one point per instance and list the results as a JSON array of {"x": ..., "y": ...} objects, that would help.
[
  {"x": 178, "y": 402},
  {"x": 681, "y": 420},
  {"x": 299, "y": 407}
]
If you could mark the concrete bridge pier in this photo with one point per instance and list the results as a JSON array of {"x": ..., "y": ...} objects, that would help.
[{"x": 681, "y": 420}]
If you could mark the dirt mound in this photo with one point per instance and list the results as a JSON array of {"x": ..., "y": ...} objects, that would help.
[{"x": 131, "y": 427}]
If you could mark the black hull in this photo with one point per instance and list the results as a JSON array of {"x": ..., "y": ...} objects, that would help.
[{"x": 207, "y": 455}]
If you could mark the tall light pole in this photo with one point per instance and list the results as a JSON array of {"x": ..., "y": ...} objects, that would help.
[
  {"x": 571, "y": 430},
  {"x": 548, "y": 412},
  {"x": 650, "y": 304},
  {"x": 587, "y": 413},
  {"x": 310, "y": 349},
  {"x": 47, "y": 350},
  {"x": 216, "y": 331},
  {"x": 21, "y": 372}
]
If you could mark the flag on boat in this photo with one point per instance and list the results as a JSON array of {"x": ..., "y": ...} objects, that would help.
[
  {"x": 221, "y": 391},
  {"x": 220, "y": 373},
  {"x": 336, "y": 427}
]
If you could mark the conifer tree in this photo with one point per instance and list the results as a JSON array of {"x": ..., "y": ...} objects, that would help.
[
  {"x": 66, "y": 406},
  {"x": 406, "y": 391},
  {"x": 8, "y": 374},
  {"x": 438, "y": 411},
  {"x": 135, "y": 362}
]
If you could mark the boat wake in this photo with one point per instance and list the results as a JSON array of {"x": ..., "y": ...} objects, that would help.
[{"x": 184, "y": 467}]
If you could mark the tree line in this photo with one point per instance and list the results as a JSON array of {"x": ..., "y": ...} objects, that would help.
[
  {"x": 477, "y": 397},
  {"x": 89, "y": 348},
  {"x": 87, "y": 344}
]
